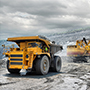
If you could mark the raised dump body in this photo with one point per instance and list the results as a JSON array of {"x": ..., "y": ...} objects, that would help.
[
  {"x": 34, "y": 53},
  {"x": 80, "y": 50}
]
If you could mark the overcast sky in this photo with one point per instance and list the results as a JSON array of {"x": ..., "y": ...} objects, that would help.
[{"x": 33, "y": 17}]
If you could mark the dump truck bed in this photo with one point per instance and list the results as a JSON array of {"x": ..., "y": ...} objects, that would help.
[{"x": 28, "y": 38}]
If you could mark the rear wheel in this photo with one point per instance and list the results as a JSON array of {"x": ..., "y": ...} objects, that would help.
[
  {"x": 56, "y": 64},
  {"x": 12, "y": 71},
  {"x": 42, "y": 65}
]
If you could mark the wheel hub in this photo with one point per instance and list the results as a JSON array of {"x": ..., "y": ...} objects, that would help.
[{"x": 45, "y": 65}]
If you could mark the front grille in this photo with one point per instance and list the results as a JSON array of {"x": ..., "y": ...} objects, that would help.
[
  {"x": 16, "y": 59},
  {"x": 16, "y": 63},
  {"x": 16, "y": 55}
]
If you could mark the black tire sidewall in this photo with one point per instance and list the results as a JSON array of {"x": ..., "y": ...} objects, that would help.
[
  {"x": 12, "y": 71},
  {"x": 41, "y": 65},
  {"x": 57, "y": 67}
]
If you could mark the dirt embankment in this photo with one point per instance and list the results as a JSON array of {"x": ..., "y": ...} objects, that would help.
[{"x": 73, "y": 76}]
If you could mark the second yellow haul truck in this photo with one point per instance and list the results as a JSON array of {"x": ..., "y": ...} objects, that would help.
[{"x": 34, "y": 53}]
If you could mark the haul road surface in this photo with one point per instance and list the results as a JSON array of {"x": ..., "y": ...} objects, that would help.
[{"x": 73, "y": 76}]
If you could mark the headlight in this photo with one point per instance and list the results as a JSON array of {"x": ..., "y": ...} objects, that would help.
[{"x": 27, "y": 56}]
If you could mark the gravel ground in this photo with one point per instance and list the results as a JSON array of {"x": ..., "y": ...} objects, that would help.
[{"x": 73, "y": 76}]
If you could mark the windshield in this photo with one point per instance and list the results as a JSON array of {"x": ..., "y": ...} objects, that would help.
[{"x": 32, "y": 45}]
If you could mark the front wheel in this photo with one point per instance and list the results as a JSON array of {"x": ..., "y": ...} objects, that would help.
[
  {"x": 12, "y": 71},
  {"x": 42, "y": 65}
]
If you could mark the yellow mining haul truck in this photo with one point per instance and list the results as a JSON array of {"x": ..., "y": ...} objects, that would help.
[
  {"x": 80, "y": 51},
  {"x": 34, "y": 53}
]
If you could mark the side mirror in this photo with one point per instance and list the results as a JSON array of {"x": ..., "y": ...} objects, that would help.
[
  {"x": 3, "y": 45},
  {"x": 3, "y": 48},
  {"x": 53, "y": 42}
]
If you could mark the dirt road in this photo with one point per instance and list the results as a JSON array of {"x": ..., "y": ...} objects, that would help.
[{"x": 73, "y": 76}]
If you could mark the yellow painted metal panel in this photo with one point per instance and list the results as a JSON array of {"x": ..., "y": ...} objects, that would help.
[{"x": 15, "y": 67}]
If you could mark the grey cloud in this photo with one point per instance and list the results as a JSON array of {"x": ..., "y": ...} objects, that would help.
[
  {"x": 32, "y": 17},
  {"x": 35, "y": 7},
  {"x": 60, "y": 22}
]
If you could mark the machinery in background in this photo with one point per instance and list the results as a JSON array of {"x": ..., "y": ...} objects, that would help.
[{"x": 80, "y": 51}]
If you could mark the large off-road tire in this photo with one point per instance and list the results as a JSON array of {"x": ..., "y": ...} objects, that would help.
[
  {"x": 42, "y": 65},
  {"x": 12, "y": 71},
  {"x": 56, "y": 64}
]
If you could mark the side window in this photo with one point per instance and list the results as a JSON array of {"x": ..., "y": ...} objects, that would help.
[
  {"x": 45, "y": 48},
  {"x": 40, "y": 46}
]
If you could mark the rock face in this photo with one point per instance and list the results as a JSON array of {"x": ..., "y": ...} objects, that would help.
[
  {"x": 73, "y": 76},
  {"x": 2, "y": 61}
]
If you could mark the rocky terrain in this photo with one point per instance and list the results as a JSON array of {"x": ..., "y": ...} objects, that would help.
[{"x": 73, "y": 76}]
